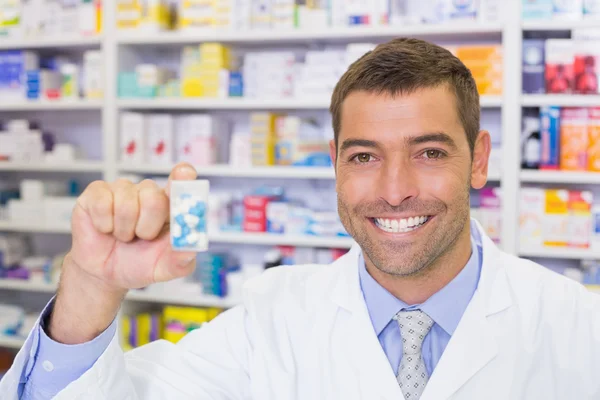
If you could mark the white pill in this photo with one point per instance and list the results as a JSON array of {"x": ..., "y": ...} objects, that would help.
[
  {"x": 176, "y": 230},
  {"x": 191, "y": 220},
  {"x": 192, "y": 238}
]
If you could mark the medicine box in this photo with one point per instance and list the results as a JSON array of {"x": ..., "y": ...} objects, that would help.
[
  {"x": 593, "y": 127},
  {"x": 160, "y": 142},
  {"x": 490, "y": 212},
  {"x": 531, "y": 206},
  {"x": 586, "y": 67},
  {"x": 550, "y": 130},
  {"x": 556, "y": 218},
  {"x": 93, "y": 82},
  {"x": 571, "y": 10},
  {"x": 261, "y": 17},
  {"x": 537, "y": 9},
  {"x": 534, "y": 66},
  {"x": 132, "y": 133},
  {"x": 255, "y": 213},
  {"x": 591, "y": 9},
  {"x": 196, "y": 14},
  {"x": 464, "y": 9},
  {"x": 559, "y": 65},
  {"x": 277, "y": 214},
  {"x": 580, "y": 218},
  {"x": 573, "y": 139}
]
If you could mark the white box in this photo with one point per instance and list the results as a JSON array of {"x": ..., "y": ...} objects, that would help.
[
  {"x": 132, "y": 143},
  {"x": 25, "y": 213},
  {"x": 58, "y": 210},
  {"x": 531, "y": 208},
  {"x": 31, "y": 190},
  {"x": 196, "y": 139},
  {"x": 159, "y": 148},
  {"x": 570, "y": 10},
  {"x": 93, "y": 74},
  {"x": 591, "y": 9}
]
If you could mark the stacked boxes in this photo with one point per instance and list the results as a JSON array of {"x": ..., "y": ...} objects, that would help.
[
  {"x": 190, "y": 72},
  {"x": 269, "y": 74},
  {"x": 485, "y": 63},
  {"x": 194, "y": 14},
  {"x": 144, "y": 15},
  {"x": 215, "y": 61},
  {"x": 262, "y": 131}
]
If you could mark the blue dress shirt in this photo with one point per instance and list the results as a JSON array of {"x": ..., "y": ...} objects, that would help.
[
  {"x": 445, "y": 308},
  {"x": 53, "y": 366}
]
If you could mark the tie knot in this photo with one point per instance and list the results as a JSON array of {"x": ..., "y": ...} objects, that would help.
[{"x": 414, "y": 326}]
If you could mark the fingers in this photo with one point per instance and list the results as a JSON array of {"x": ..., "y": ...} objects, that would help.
[
  {"x": 182, "y": 172},
  {"x": 154, "y": 210},
  {"x": 126, "y": 210},
  {"x": 174, "y": 264},
  {"x": 97, "y": 201}
]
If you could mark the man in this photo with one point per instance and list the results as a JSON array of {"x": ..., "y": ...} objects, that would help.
[{"x": 424, "y": 307}]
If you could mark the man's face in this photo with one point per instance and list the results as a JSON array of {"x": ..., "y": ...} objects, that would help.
[{"x": 403, "y": 174}]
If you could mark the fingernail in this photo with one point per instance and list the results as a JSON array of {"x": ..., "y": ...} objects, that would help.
[
  {"x": 187, "y": 260},
  {"x": 186, "y": 169}
]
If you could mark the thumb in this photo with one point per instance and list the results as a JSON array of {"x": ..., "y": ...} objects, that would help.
[
  {"x": 174, "y": 264},
  {"x": 182, "y": 172}
]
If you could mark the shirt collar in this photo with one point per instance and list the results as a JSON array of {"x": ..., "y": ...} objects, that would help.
[{"x": 445, "y": 307}]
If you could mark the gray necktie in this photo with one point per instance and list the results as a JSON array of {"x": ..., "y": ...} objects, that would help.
[{"x": 412, "y": 374}]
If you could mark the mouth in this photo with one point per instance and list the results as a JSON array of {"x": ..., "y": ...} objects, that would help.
[{"x": 401, "y": 225}]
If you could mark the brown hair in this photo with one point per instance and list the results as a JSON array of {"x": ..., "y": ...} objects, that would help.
[{"x": 402, "y": 66}]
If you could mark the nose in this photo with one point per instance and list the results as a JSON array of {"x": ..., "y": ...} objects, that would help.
[{"x": 398, "y": 183}]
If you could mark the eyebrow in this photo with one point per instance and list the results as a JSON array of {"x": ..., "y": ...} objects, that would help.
[
  {"x": 348, "y": 143},
  {"x": 438, "y": 137}
]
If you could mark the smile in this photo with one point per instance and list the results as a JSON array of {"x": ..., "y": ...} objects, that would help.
[{"x": 400, "y": 225}]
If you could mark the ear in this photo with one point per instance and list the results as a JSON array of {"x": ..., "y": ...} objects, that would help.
[
  {"x": 481, "y": 157},
  {"x": 333, "y": 152}
]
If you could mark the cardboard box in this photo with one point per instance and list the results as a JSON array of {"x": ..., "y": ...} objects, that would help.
[
  {"x": 559, "y": 65},
  {"x": 160, "y": 140},
  {"x": 586, "y": 67},
  {"x": 132, "y": 132},
  {"x": 531, "y": 215},
  {"x": 556, "y": 218},
  {"x": 534, "y": 66},
  {"x": 550, "y": 134},
  {"x": 573, "y": 139},
  {"x": 593, "y": 127},
  {"x": 580, "y": 218}
]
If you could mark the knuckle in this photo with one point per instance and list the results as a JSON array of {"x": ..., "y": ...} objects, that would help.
[
  {"x": 102, "y": 206},
  {"x": 126, "y": 210},
  {"x": 153, "y": 201}
]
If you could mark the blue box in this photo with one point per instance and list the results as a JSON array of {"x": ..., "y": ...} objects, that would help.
[
  {"x": 534, "y": 66},
  {"x": 550, "y": 131},
  {"x": 236, "y": 84}
]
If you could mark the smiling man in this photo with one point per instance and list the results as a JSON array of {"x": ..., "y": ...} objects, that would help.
[{"x": 424, "y": 306}]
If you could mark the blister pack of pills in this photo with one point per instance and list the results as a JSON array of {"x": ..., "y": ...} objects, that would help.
[{"x": 188, "y": 215}]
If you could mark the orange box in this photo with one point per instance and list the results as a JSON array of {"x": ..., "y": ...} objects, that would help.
[
  {"x": 556, "y": 219},
  {"x": 479, "y": 52},
  {"x": 593, "y": 127},
  {"x": 573, "y": 139}
]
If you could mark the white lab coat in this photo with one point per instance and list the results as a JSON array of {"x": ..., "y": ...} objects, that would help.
[{"x": 303, "y": 332}]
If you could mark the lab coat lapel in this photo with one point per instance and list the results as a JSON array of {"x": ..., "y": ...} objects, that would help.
[
  {"x": 473, "y": 344},
  {"x": 377, "y": 379}
]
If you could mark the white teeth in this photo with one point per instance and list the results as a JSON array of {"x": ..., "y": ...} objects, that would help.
[{"x": 400, "y": 225}]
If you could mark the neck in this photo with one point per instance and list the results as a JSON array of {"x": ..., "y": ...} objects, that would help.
[{"x": 417, "y": 288}]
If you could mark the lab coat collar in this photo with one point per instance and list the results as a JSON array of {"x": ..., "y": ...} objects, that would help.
[{"x": 472, "y": 346}]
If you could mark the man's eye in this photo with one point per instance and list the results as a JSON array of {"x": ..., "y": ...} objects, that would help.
[
  {"x": 433, "y": 154},
  {"x": 363, "y": 158}
]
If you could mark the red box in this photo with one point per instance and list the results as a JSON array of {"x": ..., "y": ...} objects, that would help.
[
  {"x": 255, "y": 226},
  {"x": 559, "y": 65},
  {"x": 586, "y": 67},
  {"x": 255, "y": 213}
]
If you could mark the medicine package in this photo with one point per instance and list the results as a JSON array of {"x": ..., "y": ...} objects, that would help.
[{"x": 189, "y": 212}]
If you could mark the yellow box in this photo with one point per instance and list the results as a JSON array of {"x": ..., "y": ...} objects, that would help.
[
  {"x": 191, "y": 87},
  {"x": 479, "y": 52},
  {"x": 556, "y": 218},
  {"x": 179, "y": 321}
]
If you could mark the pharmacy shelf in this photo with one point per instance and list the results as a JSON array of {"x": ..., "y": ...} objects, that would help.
[
  {"x": 454, "y": 31},
  {"x": 8, "y": 342},
  {"x": 51, "y": 105},
  {"x": 223, "y": 104},
  {"x": 193, "y": 300},
  {"x": 593, "y": 288},
  {"x": 266, "y": 239},
  {"x": 27, "y": 286},
  {"x": 240, "y": 172},
  {"x": 74, "y": 166},
  {"x": 565, "y": 177},
  {"x": 550, "y": 25},
  {"x": 273, "y": 239},
  {"x": 9, "y": 226},
  {"x": 562, "y": 100},
  {"x": 560, "y": 253},
  {"x": 233, "y": 103},
  {"x": 50, "y": 42}
]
